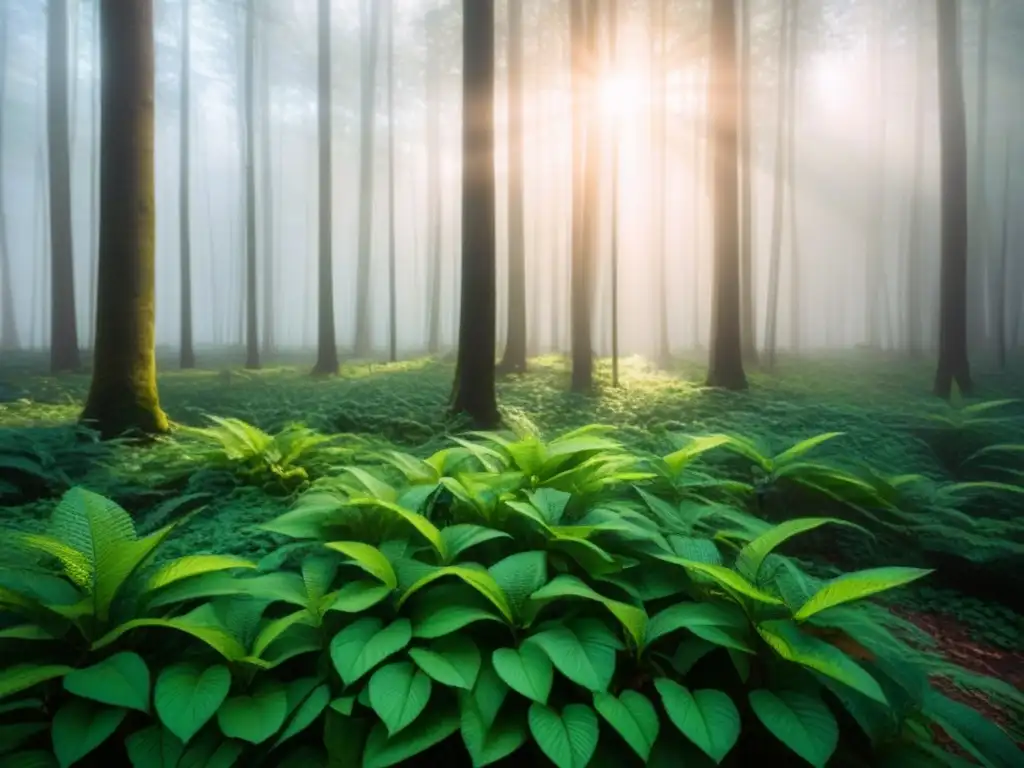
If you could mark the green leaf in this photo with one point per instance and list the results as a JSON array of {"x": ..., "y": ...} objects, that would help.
[
  {"x": 708, "y": 717},
  {"x": 800, "y": 721},
  {"x": 369, "y": 558},
  {"x": 459, "y": 538},
  {"x": 154, "y": 747},
  {"x": 275, "y": 628},
  {"x": 254, "y": 718},
  {"x": 217, "y": 638},
  {"x": 399, "y": 693},
  {"x": 489, "y": 737},
  {"x": 804, "y": 446},
  {"x": 453, "y": 661},
  {"x": 634, "y": 718},
  {"x": 24, "y": 676},
  {"x": 194, "y": 565},
  {"x": 186, "y": 696},
  {"x": 13, "y": 736},
  {"x": 749, "y": 560},
  {"x": 731, "y": 581},
  {"x": 356, "y": 597},
  {"x": 527, "y": 671},
  {"x": 209, "y": 750},
  {"x": 793, "y": 645},
  {"x": 34, "y": 758},
  {"x": 423, "y": 526},
  {"x": 582, "y": 650},
  {"x": 857, "y": 585},
  {"x": 519, "y": 576},
  {"x": 433, "y": 728},
  {"x": 440, "y": 620},
  {"x": 568, "y": 739},
  {"x": 722, "y": 624},
  {"x": 308, "y": 711},
  {"x": 633, "y": 619},
  {"x": 121, "y": 680},
  {"x": 481, "y": 581},
  {"x": 27, "y": 632},
  {"x": 363, "y": 645},
  {"x": 80, "y": 726}
]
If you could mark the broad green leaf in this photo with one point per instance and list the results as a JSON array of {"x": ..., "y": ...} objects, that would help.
[
  {"x": 633, "y": 716},
  {"x": 678, "y": 460},
  {"x": 481, "y": 581},
  {"x": 423, "y": 526},
  {"x": 211, "y": 750},
  {"x": 440, "y": 620},
  {"x": 399, "y": 693},
  {"x": 459, "y": 538},
  {"x": 983, "y": 739},
  {"x": 217, "y": 638},
  {"x": 154, "y": 747},
  {"x": 194, "y": 565},
  {"x": 488, "y": 735},
  {"x": 633, "y": 619},
  {"x": 453, "y": 661},
  {"x": 793, "y": 645},
  {"x": 731, "y": 581},
  {"x": 363, "y": 645},
  {"x": 318, "y": 573},
  {"x": 857, "y": 585},
  {"x": 186, "y": 696},
  {"x": 527, "y": 671},
  {"x": 377, "y": 487},
  {"x": 121, "y": 680},
  {"x": 519, "y": 576},
  {"x": 356, "y": 597},
  {"x": 569, "y": 738},
  {"x": 27, "y": 632},
  {"x": 433, "y": 728},
  {"x": 800, "y": 721},
  {"x": 804, "y": 446},
  {"x": 749, "y": 560},
  {"x": 369, "y": 558},
  {"x": 721, "y": 621},
  {"x": 708, "y": 717},
  {"x": 255, "y": 717},
  {"x": 80, "y": 726},
  {"x": 24, "y": 676},
  {"x": 275, "y": 628},
  {"x": 308, "y": 711},
  {"x": 583, "y": 650}
]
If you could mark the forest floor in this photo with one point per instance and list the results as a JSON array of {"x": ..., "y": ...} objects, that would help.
[{"x": 879, "y": 402}]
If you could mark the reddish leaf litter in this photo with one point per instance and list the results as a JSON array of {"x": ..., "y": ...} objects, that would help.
[{"x": 954, "y": 642}]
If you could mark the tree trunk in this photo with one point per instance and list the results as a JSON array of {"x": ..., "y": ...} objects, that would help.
[
  {"x": 613, "y": 38},
  {"x": 327, "y": 348},
  {"x": 659, "y": 118},
  {"x": 473, "y": 390},
  {"x": 875, "y": 209},
  {"x": 1000, "y": 286},
  {"x": 123, "y": 394},
  {"x": 370, "y": 22},
  {"x": 8, "y": 319},
  {"x": 63, "y": 323},
  {"x": 435, "y": 214},
  {"x": 392, "y": 268},
  {"x": 778, "y": 196},
  {"x": 953, "y": 362},
  {"x": 795, "y": 265},
  {"x": 725, "y": 367},
  {"x": 188, "y": 355},
  {"x": 514, "y": 359},
  {"x": 915, "y": 268},
  {"x": 747, "y": 282},
  {"x": 267, "y": 186},
  {"x": 252, "y": 344},
  {"x": 94, "y": 186},
  {"x": 978, "y": 307}
]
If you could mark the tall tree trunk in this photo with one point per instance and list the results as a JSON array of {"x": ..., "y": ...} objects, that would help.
[
  {"x": 370, "y": 31},
  {"x": 392, "y": 267},
  {"x": 267, "y": 185},
  {"x": 725, "y": 367},
  {"x": 327, "y": 347},
  {"x": 188, "y": 355},
  {"x": 875, "y": 209},
  {"x": 778, "y": 196},
  {"x": 613, "y": 39},
  {"x": 659, "y": 119},
  {"x": 123, "y": 394},
  {"x": 747, "y": 282},
  {"x": 473, "y": 391},
  {"x": 915, "y": 266},
  {"x": 252, "y": 344},
  {"x": 94, "y": 185},
  {"x": 978, "y": 307},
  {"x": 514, "y": 359},
  {"x": 8, "y": 319},
  {"x": 953, "y": 361},
  {"x": 795, "y": 265},
  {"x": 435, "y": 213},
  {"x": 63, "y": 323},
  {"x": 1000, "y": 286}
]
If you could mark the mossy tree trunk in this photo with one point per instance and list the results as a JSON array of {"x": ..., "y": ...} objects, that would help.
[
  {"x": 726, "y": 355},
  {"x": 123, "y": 395},
  {"x": 473, "y": 391}
]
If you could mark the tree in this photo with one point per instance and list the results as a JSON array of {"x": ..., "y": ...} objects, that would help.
[
  {"x": 746, "y": 192},
  {"x": 327, "y": 348},
  {"x": 514, "y": 359},
  {"x": 953, "y": 361},
  {"x": 915, "y": 269},
  {"x": 392, "y": 266},
  {"x": 794, "y": 233},
  {"x": 267, "y": 187},
  {"x": 435, "y": 212},
  {"x": 613, "y": 35},
  {"x": 63, "y": 324},
  {"x": 123, "y": 394},
  {"x": 8, "y": 320},
  {"x": 726, "y": 355},
  {"x": 252, "y": 344},
  {"x": 473, "y": 391},
  {"x": 188, "y": 355}
]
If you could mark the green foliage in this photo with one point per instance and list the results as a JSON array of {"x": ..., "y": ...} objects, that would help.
[{"x": 509, "y": 597}]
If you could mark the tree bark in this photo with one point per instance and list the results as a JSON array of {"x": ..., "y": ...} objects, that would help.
[
  {"x": 8, "y": 319},
  {"x": 953, "y": 361},
  {"x": 613, "y": 38},
  {"x": 435, "y": 213},
  {"x": 747, "y": 282},
  {"x": 392, "y": 267},
  {"x": 267, "y": 187},
  {"x": 795, "y": 261},
  {"x": 473, "y": 391},
  {"x": 252, "y": 344},
  {"x": 188, "y": 355},
  {"x": 63, "y": 323},
  {"x": 514, "y": 359},
  {"x": 915, "y": 269},
  {"x": 978, "y": 308},
  {"x": 1000, "y": 286},
  {"x": 123, "y": 393}
]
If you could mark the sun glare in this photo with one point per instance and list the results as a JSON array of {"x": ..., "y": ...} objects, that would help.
[{"x": 620, "y": 95}]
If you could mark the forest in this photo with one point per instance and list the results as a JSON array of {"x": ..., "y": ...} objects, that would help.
[{"x": 585, "y": 383}]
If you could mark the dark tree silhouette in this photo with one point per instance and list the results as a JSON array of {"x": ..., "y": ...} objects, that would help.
[
  {"x": 953, "y": 362},
  {"x": 252, "y": 343},
  {"x": 123, "y": 395},
  {"x": 188, "y": 355},
  {"x": 435, "y": 210},
  {"x": 473, "y": 391},
  {"x": 8, "y": 320},
  {"x": 726, "y": 358},
  {"x": 747, "y": 305}
]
